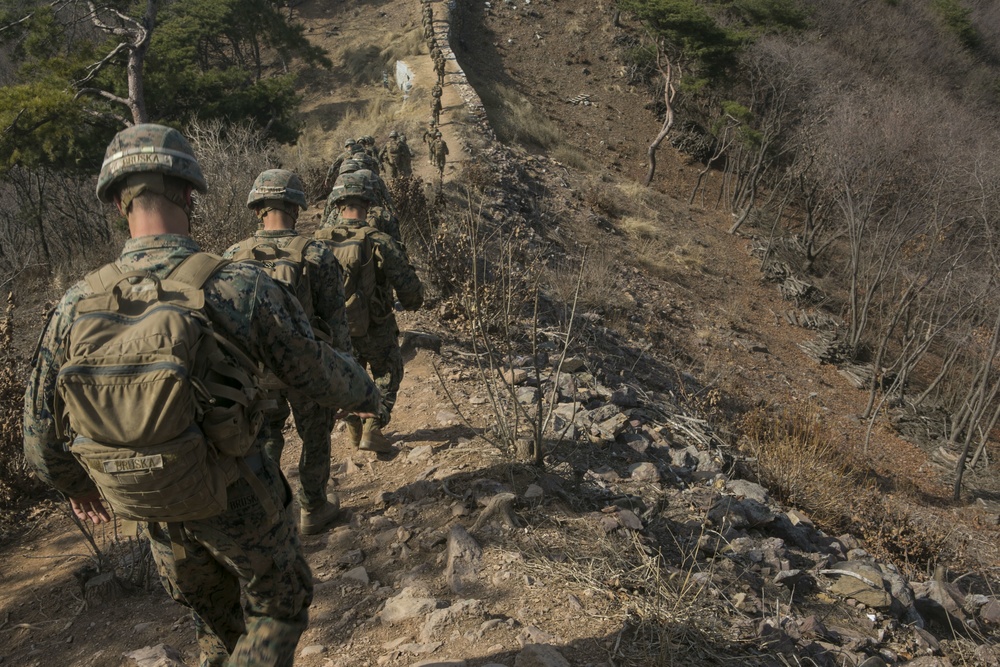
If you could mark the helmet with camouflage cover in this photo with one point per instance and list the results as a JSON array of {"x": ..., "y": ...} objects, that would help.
[
  {"x": 349, "y": 142},
  {"x": 350, "y": 166},
  {"x": 148, "y": 148},
  {"x": 394, "y": 134},
  {"x": 352, "y": 185},
  {"x": 280, "y": 184},
  {"x": 368, "y": 140}
]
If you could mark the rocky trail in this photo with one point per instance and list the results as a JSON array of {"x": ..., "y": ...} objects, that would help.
[{"x": 642, "y": 541}]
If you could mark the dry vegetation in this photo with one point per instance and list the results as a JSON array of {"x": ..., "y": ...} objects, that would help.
[
  {"x": 16, "y": 481},
  {"x": 803, "y": 464}
]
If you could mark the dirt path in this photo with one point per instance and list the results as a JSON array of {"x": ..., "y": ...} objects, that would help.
[{"x": 452, "y": 106}]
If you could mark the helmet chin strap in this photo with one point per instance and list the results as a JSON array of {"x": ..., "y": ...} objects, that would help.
[
  {"x": 278, "y": 205},
  {"x": 137, "y": 184}
]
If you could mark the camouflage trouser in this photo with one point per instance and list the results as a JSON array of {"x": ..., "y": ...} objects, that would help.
[
  {"x": 390, "y": 171},
  {"x": 241, "y": 548},
  {"x": 379, "y": 351},
  {"x": 313, "y": 423}
]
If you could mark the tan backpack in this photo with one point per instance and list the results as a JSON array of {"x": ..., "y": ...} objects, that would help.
[
  {"x": 360, "y": 259},
  {"x": 161, "y": 408},
  {"x": 286, "y": 265}
]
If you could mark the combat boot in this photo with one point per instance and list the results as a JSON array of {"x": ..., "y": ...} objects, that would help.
[
  {"x": 372, "y": 439},
  {"x": 353, "y": 423},
  {"x": 315, "y": 521}
]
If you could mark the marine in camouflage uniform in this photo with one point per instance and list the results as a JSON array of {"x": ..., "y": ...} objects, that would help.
[
  {"x": 439, "y": 153},
  {"x": 277, "y": 197},
  {"x": 439, "y": 67},
  {"x": 246, "y": 547},
  {"x": 395, "y": 156},
  {"x": 379, "y": 347},
  {"x": 334, "y": 170},
  {"x": 381, "y": 214},
  {"x": 436, "y": 109}
]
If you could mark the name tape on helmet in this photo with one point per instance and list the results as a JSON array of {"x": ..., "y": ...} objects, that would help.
[{"x": 147, "y": 155}]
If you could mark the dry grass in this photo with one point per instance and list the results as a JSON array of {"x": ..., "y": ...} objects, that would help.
[
  {"x": 641, "y": 227},
  {"x": 365, "y": 61},
  {"x": 572, "y": 157},
  {"x": 794, "y": 458},
  {"x": 517, "y": 121},
  {"x": 599, "y": 284},
  {"x": 16, "y": 481},
  {"x": 661, "y": 604},
  {"x": 799, "y": 462}
]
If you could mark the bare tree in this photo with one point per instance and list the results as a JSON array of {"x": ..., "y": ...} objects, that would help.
[
  {"x": 134, "y": 35},
  {"x": 668, "y": 69}
]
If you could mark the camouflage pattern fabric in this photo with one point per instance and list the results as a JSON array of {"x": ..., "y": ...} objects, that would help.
[
  {"x": 379, "y": 348},
  {"x": 278, "y": 184},
  {"x": 379, "y": 351},
  {"x": 325, "y": 281},
  {"x": 439, "y": 152},
  {"x": 439, "y": 69},
  {"x": 383, "y": 198},
  {"x": 312, "y": 422},
  {"x": 404, "y": 164},
  {"x": 241, "y": 544},
  {"x": 148, "y": 148},
  {"x": 251, "y": 310},
  {"x": 334, "y": 169},
  {"x": 379, "y": 217},
  {"x": 395, "y": 157},
  {"x": 436, "y": 110}
]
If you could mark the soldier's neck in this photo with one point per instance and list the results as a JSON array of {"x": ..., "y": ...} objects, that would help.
[
  {"x": 142, "y": 222},
  {"x": 278, "y": 221}
]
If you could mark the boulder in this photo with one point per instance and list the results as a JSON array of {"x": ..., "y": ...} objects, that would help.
[
  {"x": 161, "y": 655},
  {"x": 411, "y": 602},
  {"x": 540, "y": 655}
]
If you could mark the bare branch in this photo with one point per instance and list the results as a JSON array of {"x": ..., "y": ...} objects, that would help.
[
  {"x": 94, "y": 69},
  {"x": 102, "y": 93}
]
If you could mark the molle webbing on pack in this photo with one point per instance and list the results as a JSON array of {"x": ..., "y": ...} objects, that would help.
[
  {"x": 359, "y": 258},
  {"x": 161, "y": 408}
]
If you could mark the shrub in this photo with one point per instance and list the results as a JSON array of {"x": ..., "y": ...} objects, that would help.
[
  {"x": 231, "y": 156},
  {"x": 16, "y": 480}
]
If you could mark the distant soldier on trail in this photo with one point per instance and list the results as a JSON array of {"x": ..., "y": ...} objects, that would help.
[
  {"x": 313, "y": 273},
  {"x": 428, "y": 135},
  {"x": 364, "y": 158},
  {"x": 374, "y": 267},
  {"x": 395, "y": 156},
  {"x": 334, "y": 170},
  {"x": 439, "y": 68},
  {"x": 439, "y": 153},
  {"x": 381, "y": 213},
  {"x": 436, "y": 109}
]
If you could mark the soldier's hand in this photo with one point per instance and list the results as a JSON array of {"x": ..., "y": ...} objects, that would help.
[{"x": 90, "y": 508}]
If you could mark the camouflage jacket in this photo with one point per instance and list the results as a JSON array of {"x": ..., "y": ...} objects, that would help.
[
  {"x": 379, "y": 217},
  {"x": 439, "y": 148},
  {"x": 326, "y": 284},
  {"x": 334, "y": 170},
  {"x": 395, "y": 269},
  {"x": 244, "y": 305}
]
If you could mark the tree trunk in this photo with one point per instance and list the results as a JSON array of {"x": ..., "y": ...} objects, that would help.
[{"x": 668, "y": 118}]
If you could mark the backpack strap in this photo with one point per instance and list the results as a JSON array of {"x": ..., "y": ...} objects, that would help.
[
  {"x": 197, "y": 268},
  {"x": 104, "y": 278},
  {"x": 297, "y": 247}
]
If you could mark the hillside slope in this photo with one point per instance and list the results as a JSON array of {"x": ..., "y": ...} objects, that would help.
[{"x": 639, "y": 543}]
